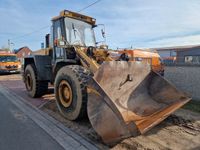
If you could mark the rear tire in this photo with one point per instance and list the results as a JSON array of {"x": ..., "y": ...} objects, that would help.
[
  {"x": 34, "y": 87},
  {"x": 71, "y": 91}
]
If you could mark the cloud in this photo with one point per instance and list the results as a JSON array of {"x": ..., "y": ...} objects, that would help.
[
  {"x": 137, "y": 23},
  {"x": 175, "y": 41}
]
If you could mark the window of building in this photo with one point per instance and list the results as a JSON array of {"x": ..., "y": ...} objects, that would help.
[
  {"x": 172, "y": 53},
  {"x": 192, "y": 59}
]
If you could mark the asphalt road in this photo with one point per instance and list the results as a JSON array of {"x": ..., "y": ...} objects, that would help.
[{"x": 19, "y": 132}]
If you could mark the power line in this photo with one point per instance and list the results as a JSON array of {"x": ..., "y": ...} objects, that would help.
[
  {"x": 22, "y": 36},
  {"x": 89, "y": 5}
]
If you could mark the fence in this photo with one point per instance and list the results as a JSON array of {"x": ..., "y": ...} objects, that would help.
[{"x": 185, "y": 77}]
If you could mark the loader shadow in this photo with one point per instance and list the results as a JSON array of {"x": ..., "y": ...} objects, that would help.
[
  {"x": 82, "y": 127},
  {"x": 187, "y": 125},
  {"x": 157, "y": 128},
  {"x": 196, "y": 148}
]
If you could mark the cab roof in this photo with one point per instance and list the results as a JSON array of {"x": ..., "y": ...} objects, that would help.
[{"x": 75, "y": 15}]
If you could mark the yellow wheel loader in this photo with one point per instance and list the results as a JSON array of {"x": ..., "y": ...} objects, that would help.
[{"x": 121, "y": 99}]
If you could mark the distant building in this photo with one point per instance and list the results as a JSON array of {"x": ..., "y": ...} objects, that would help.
[
  {"x": 166, "y": 52},
  {"x": 22, "y": 52},
  {"x": 189, "y": 55},
  {"x": 180, "y": 54}
]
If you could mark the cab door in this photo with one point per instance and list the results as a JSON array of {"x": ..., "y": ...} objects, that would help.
[{"x": 58, "y": 35}]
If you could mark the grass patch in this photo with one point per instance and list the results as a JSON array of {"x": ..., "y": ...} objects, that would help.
[{"x": 193, "y": 105}]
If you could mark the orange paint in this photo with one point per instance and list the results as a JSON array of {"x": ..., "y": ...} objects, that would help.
[
  {"x": 151, "y": 57},
  {"x": 8, "y": 65}
]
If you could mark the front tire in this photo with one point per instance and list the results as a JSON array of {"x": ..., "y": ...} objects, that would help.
[
  {"x": 34, "y": 87},
  {"x": 71, "y": 91}
]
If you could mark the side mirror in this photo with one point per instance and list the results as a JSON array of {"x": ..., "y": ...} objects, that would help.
[
  {"x": 103, "y": 33},
  {"x": 103, "y": 30}
]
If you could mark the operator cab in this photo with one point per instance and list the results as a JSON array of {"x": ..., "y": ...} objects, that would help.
[
  {"x": 71, "y": 29},
  {"x": 74, "y": 29}
]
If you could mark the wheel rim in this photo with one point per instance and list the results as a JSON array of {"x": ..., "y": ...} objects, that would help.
[
  {"x": 29, "y": 82},
  {"x": 65, "y": 93}
]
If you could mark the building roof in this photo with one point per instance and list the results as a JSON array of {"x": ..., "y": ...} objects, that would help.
[
  {"x": 177, "y": 48},
  {"x": 17, "y": 50}
]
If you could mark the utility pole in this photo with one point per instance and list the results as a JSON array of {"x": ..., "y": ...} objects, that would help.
[{"x": 9, "y": 44}]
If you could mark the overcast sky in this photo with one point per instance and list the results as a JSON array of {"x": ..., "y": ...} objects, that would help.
[{"x": 136, "y": 23}]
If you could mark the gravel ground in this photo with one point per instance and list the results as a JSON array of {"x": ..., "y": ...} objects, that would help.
[{"x": 179, "y": 131}]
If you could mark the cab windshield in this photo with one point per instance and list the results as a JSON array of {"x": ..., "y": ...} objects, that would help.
[
  {"x": 8, "y": 58},
  {"x": 79, "y": 33}
]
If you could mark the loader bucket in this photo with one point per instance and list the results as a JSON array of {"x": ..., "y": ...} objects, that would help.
[{"x": 127, "y": 99}]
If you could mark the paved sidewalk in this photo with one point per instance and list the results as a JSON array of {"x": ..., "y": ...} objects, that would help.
[
  {"x": 19, "y": 132},
  {"x": 32, "y": 133}
]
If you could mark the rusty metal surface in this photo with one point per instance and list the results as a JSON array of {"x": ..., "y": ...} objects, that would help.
[{"x": 127, "y": 99}]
